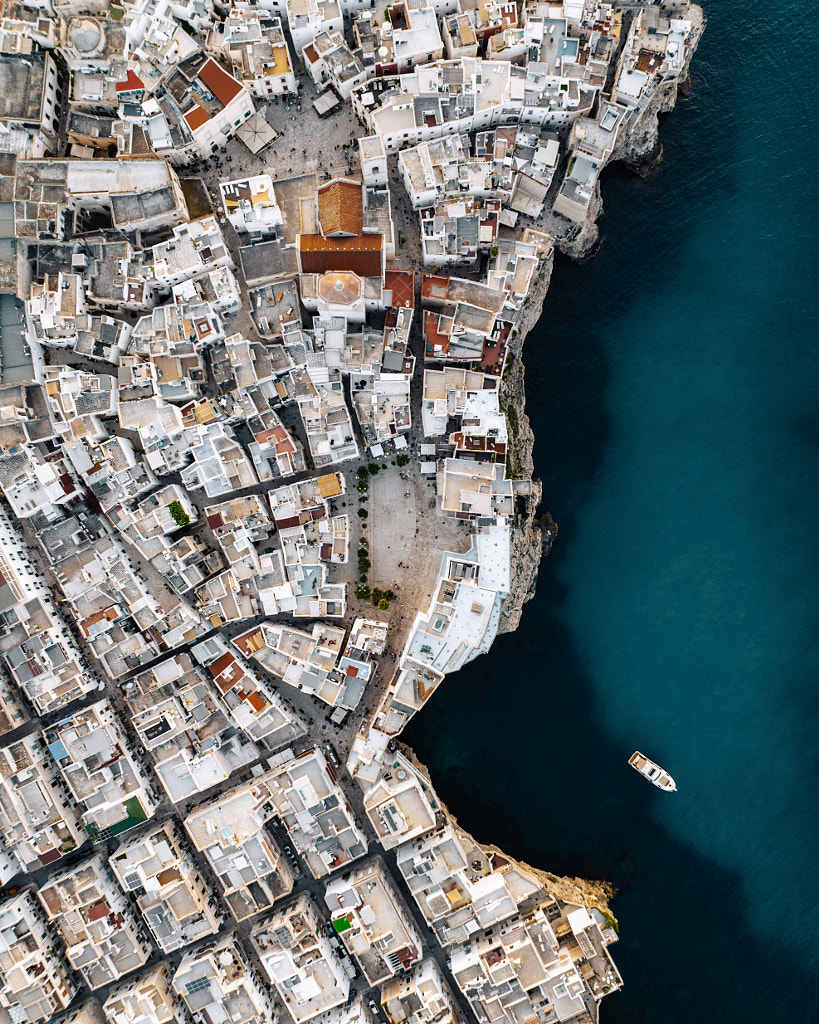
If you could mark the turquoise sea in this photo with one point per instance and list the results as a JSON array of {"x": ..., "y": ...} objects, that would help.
[{"x": 672, "y": 386}]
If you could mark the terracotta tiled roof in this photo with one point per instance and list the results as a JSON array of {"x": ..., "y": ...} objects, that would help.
[
  {"x": 98, "y": 910},
  {"x": 402, "y": 285},
  {"x": 257, "y": 702},
  {"x": 223, "y": 86},
  {"x": 131, "y": 84},
  {"x": 196, "y": 117},
  {"x": 217, "y": 667},
  {"x": 361, "y": 254},
  {"x": 340, "y": 207},
  {"x": 329, "y": 485}
]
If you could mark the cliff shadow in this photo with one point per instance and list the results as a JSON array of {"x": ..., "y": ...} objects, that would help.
[{"x": 516, "y": 752}]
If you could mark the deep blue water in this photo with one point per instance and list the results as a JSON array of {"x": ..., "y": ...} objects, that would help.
[{"x": 672, "y": 387}]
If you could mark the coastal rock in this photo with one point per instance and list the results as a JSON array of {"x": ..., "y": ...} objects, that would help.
[
  {"x": 578, "y": 891},
  {"x": 582, "y": 241},
  {"x": 639, "y": 149},
  {"x": 527, "y": 535}
]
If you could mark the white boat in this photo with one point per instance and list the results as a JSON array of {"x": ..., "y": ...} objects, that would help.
[{"x": 653, "y": 772}]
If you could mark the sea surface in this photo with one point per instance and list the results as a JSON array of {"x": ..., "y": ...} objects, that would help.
[{"x": 672, "y": 384}]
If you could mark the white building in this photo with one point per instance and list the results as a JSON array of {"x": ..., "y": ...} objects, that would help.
[
  {"x": 103, "y": 940},
  {"x": 420, "y": 997},
  {"x": 170, "y": 893},
  {"x": 35, "y": 983},
  {"x": 306, "y": 18},
  {"x": 373, "y": 922},
  {"x": 254, "y": 43},
  {"x": 37, "y": 822},
  {"x": 100, "y": 771},
  {"x": 216, "y": 983},
  {"x": 146, "y": 999},
  {"x": 400, "y": 803},
  {"x": 316, "y": 813},
  {"x": 299, "y": 959},
  {"x": 230, "y": 831},
  {"x": 251, "y": 207}
]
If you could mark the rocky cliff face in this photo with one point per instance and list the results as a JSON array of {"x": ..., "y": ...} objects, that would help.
[
  {"x": 578, "y": 891},
  {"x": 639, "y": 148},
  {"x": 528, "y": 535}
]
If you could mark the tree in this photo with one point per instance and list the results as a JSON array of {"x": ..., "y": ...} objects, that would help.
[
  {"x": 383, "y": 604},
  {"x": 362, "y": 591},
  {"x": 363, "y": 513},
  {"x": 402, "y": 459},
  {"x": 178, "y": 514}
]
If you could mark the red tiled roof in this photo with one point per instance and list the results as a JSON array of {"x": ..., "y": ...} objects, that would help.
[
  {"x": 50, "y": 896},
  {"x": 196, "y": 117},
  {"x": 434, "y": 286},
  {"x": 98, "y": 910},
  {"x": 360, "y": 254},
  {"x": 401, "y": 284},
  {"x": 223, "y": 86},
  {"x": 256, "y": 701},
  {"x": 288, "y": 522},
  {"x": 340, "y": 207},
  {"x": 132, "y": 82},
  {"x": 217, "y": 667},
  {"x": 310, "y": 53},
  {"x": 250, "y": 642}
]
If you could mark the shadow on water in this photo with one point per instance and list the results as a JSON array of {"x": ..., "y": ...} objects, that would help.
[
  {"x": 517, "y": 743},
  {"x": 537, "y": 777}
]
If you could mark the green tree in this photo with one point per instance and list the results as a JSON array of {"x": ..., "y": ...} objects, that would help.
[
  {"x": 178, "y": 514},
  {"x": 401, "y": 460},
  {"x": 383, "y": 604}
]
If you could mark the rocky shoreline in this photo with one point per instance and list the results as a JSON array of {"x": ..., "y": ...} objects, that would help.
[
  {"x": 641, "y": 151},
  {"x": 569, "y": 889}
]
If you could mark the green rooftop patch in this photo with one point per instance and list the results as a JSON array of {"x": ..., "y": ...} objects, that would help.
[
  {"x": 341, "y": 924},
  {"x": 178, "y": 514},
  {"x": 134, "y": 809}
]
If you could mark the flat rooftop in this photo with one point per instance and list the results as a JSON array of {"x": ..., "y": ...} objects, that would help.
[{"x": 21, "y": 86}]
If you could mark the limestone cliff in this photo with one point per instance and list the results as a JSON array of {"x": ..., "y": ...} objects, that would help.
[
  {"x": 639, "y": 148},
  {"x": 578, "y": 891},
  {"x": 528, "y": 533}
]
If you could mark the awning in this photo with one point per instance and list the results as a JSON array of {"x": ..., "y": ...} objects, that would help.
[{"x": 256, "y": 133}]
